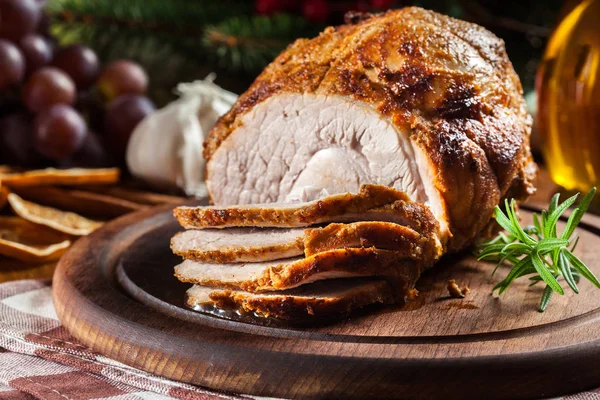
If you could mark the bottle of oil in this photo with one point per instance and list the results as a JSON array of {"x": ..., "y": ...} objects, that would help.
[{"x": 568, "y": 87}]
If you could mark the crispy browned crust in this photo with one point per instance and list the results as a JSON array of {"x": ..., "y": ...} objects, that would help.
[
  {"x": 228, "y": 255},
  {"x": 413, "y": 66},
  {"x": 381, "y": 235},
  {"x": 392, "y": 265},
  {"x": 368, "y": 197},
  {"x": 289, "y": 307}
]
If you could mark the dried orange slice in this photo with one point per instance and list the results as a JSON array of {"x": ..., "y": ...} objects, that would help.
[
  {"x": 89, "y": 204},
  {"x": 4, "y": 192},
  {"x": 29, "y": 242},
  {"x": 135, "y": 195},
  {"x": 5, "y": 169},
  {"x": 62, "y": 221},
  {"x": 12, "y": 269},
  {"x": 52, "y": 176}
]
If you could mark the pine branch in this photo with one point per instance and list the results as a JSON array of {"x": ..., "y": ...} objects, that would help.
[
  {"x": 173, "y": 16},
  {"x": 179, "y": 31},
  {"x": 252, "y": 42}
]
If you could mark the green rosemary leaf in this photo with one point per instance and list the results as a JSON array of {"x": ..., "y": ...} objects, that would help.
[
  {"x": 546, "y": 296},
  {"x": 544, "y": 221},
  {"x": 546, "y": 245},
  {"x": 537, "y": 250},
  {"x": 581, "y": 268},
  {"x": 553, "y": 203},
  {"x": 545, "y": 274},
  {"x": 575, "y": 244},
  {"x": 565, "y": 269},
  {"x": 519, "y": 247},
  {"x": 538, "y": 226},
  {"x": 523, "y": 267},
  {"x": 504, "y": 221},
  {"x": 520, "y": 233},
  {"x": 535, "y": 280},
  {"x": 555, "y": 215},
  {"x": 578, "y": 214},
  {"x": 587, "y": 199}
]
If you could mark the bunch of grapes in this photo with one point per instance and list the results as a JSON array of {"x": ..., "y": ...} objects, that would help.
[{"x": 51, "y": 96}]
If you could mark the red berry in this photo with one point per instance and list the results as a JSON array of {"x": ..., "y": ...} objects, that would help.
[
  {"x": 382, "y": 4},
  {"x": 268, "y": 7},
  {"x": 316, "y": 10}
]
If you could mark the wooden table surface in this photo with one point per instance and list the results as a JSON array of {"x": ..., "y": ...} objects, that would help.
[{"x": 11, "y": 270}]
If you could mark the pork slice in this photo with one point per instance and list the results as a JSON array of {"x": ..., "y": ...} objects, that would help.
[
  {"x": 314, "y": 212},
  {"x": 317, "y": 300},
  {"x": 267, "y": 244},
  {"x": 294, "y": 272},
  {"x": 239, "y": 244}
]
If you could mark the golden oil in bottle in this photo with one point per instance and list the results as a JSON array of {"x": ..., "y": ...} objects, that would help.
[{"x": 568, "y": 87}]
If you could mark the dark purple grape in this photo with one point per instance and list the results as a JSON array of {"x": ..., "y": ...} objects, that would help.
[
  {"x": 92, "y": 154},
  {"x": 37, "y": 51},
  {"x": 122, "y": 77},
  {"x": 46, "y": 87},
  {"x": 18, "y": 18},
  {"x": 80, "y": 63},
  {"x": 12, "y": 64},
  {"x": 121, "y": 118},
  {"x": 16, "y": 141},
  {"x": 59, "y": 132}
]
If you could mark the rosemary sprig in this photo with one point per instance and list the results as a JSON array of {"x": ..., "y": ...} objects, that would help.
[{"x": 539, "y": 250}]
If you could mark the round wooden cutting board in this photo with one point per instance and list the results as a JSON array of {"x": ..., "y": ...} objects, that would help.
[{"x": 115, "y": 292}]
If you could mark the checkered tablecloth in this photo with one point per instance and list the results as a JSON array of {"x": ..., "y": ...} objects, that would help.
[{"x": 40, "y": 360}]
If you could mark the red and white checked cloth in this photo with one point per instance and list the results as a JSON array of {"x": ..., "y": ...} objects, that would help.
[{"x": 40, "y": 360}]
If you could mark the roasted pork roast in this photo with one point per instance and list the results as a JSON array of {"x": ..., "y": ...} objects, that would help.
[
  {"x": 352, "y": 163},
  {"x": 410, "y": 99}
]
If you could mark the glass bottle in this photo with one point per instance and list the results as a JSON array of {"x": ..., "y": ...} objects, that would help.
[{"x": 568, "y": 87}]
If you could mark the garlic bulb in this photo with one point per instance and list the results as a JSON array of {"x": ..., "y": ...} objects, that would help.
[{"x": 165, "y": 149}]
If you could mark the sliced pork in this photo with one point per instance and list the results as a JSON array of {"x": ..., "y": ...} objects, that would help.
[
  {"x": 318, "y": 300},
  {"x": 239, "y": 244},
  {"x": 395, "y": 266},
  {"x": 266, "y": 244},
  {"x": 341, "y": 206},
  {"x": 409, "y": 99}
]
